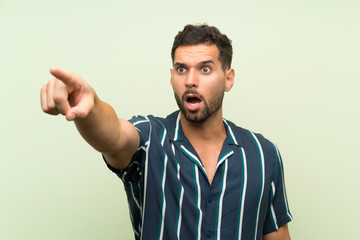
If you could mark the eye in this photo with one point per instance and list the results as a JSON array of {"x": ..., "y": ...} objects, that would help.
[
  {"x": 181, "y": 69},
  {"x": 206, "y": 69}
]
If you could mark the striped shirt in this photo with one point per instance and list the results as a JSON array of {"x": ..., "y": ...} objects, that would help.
[{"x": 170, "y": 197}]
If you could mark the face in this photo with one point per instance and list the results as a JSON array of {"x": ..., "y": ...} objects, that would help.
[{"x": 199, "y": 82}]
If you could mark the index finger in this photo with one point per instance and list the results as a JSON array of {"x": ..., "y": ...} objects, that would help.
[{"x": 65, "y": 76}]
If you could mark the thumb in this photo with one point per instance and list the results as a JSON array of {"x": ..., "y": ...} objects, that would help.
[
  {"x": 81, "y": 110},
  {"x": 70, "y": 115}
]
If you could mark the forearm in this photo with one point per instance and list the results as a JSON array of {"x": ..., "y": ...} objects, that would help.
[{"x": 101, "y": 127}]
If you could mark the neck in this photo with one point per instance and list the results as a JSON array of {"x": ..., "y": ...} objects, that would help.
[{"x": 211, "y": 129}]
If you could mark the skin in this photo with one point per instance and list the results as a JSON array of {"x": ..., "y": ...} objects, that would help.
[
  {"x": 197, "y": 72},
  {"x": 68, "y": 94},
  {"x": 202, "y": 68}
]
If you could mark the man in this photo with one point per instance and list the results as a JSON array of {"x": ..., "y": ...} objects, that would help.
[{"x": 191, "y": 175}]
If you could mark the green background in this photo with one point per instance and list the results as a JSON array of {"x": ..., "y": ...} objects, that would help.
[{"x": 297, "y": 83}]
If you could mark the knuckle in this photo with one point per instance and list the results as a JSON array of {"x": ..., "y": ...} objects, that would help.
[
  {"x": 52, "y": 82},
  {"x": 53, "y": 112},
  {"x": 51, "y": 105},
  {"x": 58, "y": 98},
  {"x": 50, "y": 111},
  {"x": 44, "y": 109}
]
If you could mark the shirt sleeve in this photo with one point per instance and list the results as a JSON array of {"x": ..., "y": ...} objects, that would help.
[
  {"x": 278, "y": 212},
  {"x": 135, "y": 169}
]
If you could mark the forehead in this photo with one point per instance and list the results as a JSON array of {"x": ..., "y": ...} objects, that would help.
[{"x": 196, "y": 53}]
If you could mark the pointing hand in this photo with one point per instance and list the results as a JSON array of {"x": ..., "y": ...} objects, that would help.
[{"x": 67, "y": 94}]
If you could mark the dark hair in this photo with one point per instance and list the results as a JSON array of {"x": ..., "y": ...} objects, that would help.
[{"x": 197, "y": 34}]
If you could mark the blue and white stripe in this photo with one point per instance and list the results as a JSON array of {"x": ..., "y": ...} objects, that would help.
[
  {"x": 198, "y": 203},
  {"x": 243, "y": 193},
  {"x": 175, "y": 191},
  {"x": 262, "y": 166},
  {"x": 146, "y": 168},
  {"x": 283, "y": 182},
  {"x": 221, "y": 199}
]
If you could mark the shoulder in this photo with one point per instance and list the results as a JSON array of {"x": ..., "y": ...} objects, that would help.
[
  {"x": 250, "y": 140},
  {"x": 154, "y": 124}
]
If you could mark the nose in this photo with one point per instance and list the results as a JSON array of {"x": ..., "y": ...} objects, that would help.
[{"x": 192, "y": 80}]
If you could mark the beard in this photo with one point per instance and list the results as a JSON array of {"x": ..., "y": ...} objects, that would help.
[{"x": 209, "y": 108}]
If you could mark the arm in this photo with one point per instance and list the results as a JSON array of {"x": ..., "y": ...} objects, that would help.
[
  {"x": 281, "y": 234},
  {"x": 70, "y": 95}
]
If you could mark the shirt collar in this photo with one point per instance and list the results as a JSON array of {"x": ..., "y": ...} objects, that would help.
[{"x": 179, "y": 135}]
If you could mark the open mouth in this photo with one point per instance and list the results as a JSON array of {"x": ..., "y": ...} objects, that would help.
[{"x": 192, "y": 100}]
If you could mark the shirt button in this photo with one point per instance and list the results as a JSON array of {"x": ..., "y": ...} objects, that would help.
[
  {"x": 208, "y": 234},
  {"x": 209, "y": 200}
]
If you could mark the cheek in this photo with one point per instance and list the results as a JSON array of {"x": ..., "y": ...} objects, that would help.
[
  {"x": 176, "y": 84},
  {"x": 176, "y": 89},
  {"x": 217, "y": 86}
]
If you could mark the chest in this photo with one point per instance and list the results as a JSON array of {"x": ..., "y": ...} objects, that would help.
[
  {"x": 209, "y": 156},
  {"x": 176, "y": 188},
  {"x": 197, "y": 183}
]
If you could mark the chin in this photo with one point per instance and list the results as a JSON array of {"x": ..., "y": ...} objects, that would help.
[{"x": 196, "y": 117}]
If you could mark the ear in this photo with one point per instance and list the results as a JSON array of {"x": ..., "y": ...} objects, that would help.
[
  {"x": 171, "y": 71},
  {"x": 229, "y": 79}
]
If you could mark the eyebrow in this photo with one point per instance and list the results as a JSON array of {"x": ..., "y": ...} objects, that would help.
[
  {"x": 178, "y": 64},
  {"x": 207, "y": 62}
]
